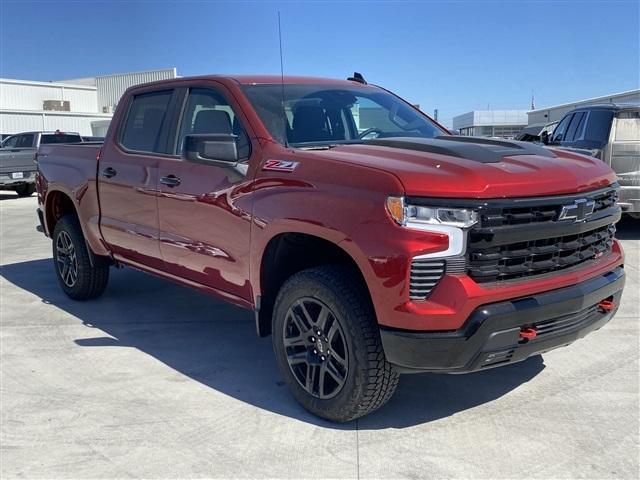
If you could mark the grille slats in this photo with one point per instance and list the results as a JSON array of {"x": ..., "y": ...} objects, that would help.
[
  {"x": 425, "y": 274},
  {"x": 524, "y": 237},
  {"x": 535, "y": 214},
  {"x": 535, "y": 257},
  {"x": 565, "y": 323}
]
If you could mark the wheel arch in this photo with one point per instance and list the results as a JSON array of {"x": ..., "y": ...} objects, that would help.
[
  {"x": 59, "y": 203},
  {"x": 289, "y": 252}
]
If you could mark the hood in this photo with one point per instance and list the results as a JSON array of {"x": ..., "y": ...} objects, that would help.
[{"x": 469, "y": 167}]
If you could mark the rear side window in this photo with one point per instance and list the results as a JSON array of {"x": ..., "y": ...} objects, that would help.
[
  {"x": 60, "y": 138},
  {"x": 628, "y": 127},
  {"x": 26, "y": 141},
  {"x": 145, "y": 121}
]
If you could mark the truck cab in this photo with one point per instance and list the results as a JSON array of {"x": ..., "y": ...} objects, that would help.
[{"x": 610, "y": 132}]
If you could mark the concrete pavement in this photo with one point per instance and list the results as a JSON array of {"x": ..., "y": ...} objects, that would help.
[{"x": 154, "y": 380}]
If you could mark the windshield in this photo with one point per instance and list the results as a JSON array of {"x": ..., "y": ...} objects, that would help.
[{"x": 327, "y": 115}]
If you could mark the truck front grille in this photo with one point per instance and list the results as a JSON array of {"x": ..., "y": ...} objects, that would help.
[
  {"x": 425, "y": 274},
  {"x": 543, "y": 212},
  {"x": 518, "y": 238},
  {"x": 535, "y": 257}
]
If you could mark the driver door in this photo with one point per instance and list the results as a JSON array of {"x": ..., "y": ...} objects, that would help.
[{"x": 204, "y": 216}]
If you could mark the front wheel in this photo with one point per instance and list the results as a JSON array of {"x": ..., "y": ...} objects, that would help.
[
  {"x": 79, "y": 279},
  {"x": 327, "y": 345}
]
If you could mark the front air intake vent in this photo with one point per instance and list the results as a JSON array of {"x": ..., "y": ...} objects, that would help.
[{"x": 425, "y": 274}]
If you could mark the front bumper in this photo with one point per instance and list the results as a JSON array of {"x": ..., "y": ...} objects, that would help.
[{"x": 491, "y": 335}]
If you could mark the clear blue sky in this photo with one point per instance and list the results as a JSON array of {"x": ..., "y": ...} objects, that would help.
[{"x": 454, "y": 55}]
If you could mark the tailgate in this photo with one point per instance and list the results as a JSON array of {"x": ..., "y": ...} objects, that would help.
[{"x": 18, "y": 161}]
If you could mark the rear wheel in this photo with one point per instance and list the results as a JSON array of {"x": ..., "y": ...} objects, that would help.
[
  {"x": 25, "y": 190},
  {"x": 327, "y": 345},
  {"x": 78, "y": 278}
]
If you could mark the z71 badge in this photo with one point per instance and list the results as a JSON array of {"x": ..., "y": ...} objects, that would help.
[{"x": 280, "y": 165}]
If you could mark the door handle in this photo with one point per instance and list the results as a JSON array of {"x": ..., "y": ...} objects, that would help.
[
  {"x": 170, "y": 181},
  {"x": 109, "y": 172}
]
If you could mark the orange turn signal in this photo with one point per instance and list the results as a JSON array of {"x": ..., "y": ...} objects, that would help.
[{"x": 395, "y": 207}]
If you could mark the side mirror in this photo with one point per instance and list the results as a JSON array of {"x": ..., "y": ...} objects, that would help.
[
  {"x": 217, "y": 149},
  {"x": 544, "y": 136}
]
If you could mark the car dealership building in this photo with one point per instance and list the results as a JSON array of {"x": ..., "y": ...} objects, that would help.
[{"x": 83, "y": 105}]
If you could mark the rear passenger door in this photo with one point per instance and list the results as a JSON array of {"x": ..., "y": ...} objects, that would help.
[
  {"x": 128, "y": 172},
  {"x": 205, "y": 216}
]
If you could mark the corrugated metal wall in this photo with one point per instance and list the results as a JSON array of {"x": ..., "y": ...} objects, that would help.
[
  {"x": 111, "y": 87},
  {"x": 23, "y": 95},
  {"x": 16, "y": 122}
]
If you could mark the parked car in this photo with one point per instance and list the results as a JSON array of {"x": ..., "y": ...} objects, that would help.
[
  {"x": 363, "y": 258},
  {"x": 17, "y": 158},
  {"x": 610, "y": 132}
]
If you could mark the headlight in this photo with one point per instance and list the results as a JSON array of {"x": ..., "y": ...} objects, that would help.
[
  {"x": 453, "y": 222},
  {"x": 409, "y": 214}
]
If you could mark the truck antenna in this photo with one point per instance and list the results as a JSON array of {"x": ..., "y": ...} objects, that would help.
[{"x": 284, "y": 112}]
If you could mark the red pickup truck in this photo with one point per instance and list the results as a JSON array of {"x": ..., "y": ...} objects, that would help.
[{"x": 368, "y": 241}]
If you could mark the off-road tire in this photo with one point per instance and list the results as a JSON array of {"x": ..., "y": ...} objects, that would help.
[
  {"x": 91, "y": 280},
  {"x": 25, "y": 190},
  {"x": 370, "y": 380}
]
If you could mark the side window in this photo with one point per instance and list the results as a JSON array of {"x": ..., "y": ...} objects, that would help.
[
  {"x": 598, "y": 126},
  {"x": 558, "y": 133},
  {"x": 26, "y": 141},
  {"x": 207, "y": 111},
  {"x": 11, "y": 142},
  {"x": 144, "y": 122},
  {"x": 575, "y": 127}
]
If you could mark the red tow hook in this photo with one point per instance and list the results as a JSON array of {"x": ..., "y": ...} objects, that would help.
[
  {"x": 529, "y": 333},
  {"x": 606, "y": 306}
]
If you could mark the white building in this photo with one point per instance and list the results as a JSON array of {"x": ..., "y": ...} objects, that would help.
[
  {"x": 491, "y": 123},
  {"x": 83, "y": 105},
  {"x": 554, "y": 114}
]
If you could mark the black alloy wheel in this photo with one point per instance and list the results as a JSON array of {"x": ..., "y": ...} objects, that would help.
[
  {"x": 316, "y": 348},
  {"x": 66, "y": 259}
]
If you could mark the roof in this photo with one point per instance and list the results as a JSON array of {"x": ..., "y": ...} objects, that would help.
[
  {"x": 610, "y": 106},
  {"x": 45, "y": 132},
  {"x": 594, "y": 100},
  {"x": 277, "y": 79},
  {"x": 264, "y": 80}
]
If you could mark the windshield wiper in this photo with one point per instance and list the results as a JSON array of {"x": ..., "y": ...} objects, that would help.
[{"x": 325, "y": 146}]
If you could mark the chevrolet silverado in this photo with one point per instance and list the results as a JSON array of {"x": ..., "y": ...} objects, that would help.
[{"x": 368, "y": 241}]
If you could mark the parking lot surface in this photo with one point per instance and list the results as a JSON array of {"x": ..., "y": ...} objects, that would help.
[{"x": 154, "y": 380}]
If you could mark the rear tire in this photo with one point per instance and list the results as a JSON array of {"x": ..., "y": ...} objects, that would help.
[
  {"x": 341, "y": 374},
  {"x": 25, "y": 190},
  {"x": 77, "y": 277}
]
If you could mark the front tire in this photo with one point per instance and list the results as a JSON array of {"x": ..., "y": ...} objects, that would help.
[
  {"x": 25, "y": 190},
  {"x": 327, "y": 345},
  {"x": 77, "y": 277}
]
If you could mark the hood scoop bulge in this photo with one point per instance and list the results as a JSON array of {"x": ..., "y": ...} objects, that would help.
[{"x": 483, "y": 150}]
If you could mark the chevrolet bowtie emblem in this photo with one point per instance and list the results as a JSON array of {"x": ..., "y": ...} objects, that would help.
[{"x": 578, "y": 211}]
